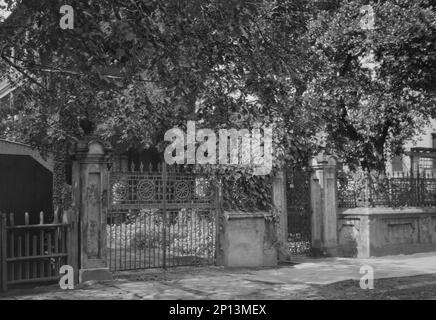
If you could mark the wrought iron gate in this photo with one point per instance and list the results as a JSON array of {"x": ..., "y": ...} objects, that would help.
[
  {"x": 299, "y": 211},
  {"x": 160, "y": 218}
]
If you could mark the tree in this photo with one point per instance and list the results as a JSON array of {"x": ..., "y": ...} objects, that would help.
[
  {"x": 138, "y": 68},
  {"x": 375, "y": 87}
]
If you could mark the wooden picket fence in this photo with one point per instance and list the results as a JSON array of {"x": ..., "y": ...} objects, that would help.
[{"x": 32, "y": 253}]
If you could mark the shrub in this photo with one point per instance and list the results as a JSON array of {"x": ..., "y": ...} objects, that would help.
[{"x": 188, "y": 232}]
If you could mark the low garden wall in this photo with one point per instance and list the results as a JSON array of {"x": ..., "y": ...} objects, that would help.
[
  {"x": 247, "y": 239},
  {"x": 365, "y": 232}
]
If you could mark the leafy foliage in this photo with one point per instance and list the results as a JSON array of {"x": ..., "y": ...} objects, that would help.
[
  {"x": 137, "y": 68},
  {"x": 132, "y": 64},
  {"x": 245, "y": 192},
  {"x": 375, "y": 84}
]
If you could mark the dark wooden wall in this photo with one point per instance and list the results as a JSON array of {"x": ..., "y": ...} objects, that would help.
[{"x": 25, "y": 186}]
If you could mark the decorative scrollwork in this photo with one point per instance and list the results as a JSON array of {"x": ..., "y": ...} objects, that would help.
[
  {"x": 182, "y": 190},
  {"x": 146, "y": 190},
  {"x": 203, "y": 188},
  {"x": 120, "y": 190}
]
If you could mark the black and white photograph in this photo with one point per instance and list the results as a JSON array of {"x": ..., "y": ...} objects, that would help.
[{"x": 223, "y": 157}]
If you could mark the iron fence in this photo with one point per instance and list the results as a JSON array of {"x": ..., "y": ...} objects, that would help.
[
  {"x": 299, "y": 211},
  {"x": 160, "y": 218},
  {"x": 401, "y": 189}
]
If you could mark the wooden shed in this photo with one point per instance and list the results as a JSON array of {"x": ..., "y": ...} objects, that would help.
[{"x": 25, "y": 181}]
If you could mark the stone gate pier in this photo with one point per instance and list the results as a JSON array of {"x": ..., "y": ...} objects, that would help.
[
  {"x": 89, "y": 210},
  {"x": 323, "y": 188}
]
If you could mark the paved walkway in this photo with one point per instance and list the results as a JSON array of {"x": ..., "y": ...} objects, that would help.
[{"x": 397, "y": 277}]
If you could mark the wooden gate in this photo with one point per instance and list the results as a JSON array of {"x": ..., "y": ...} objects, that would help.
[
  {"x": 32, "y": 253},
  {"x": 299, "y": 210},
  {"x": 160, "y": 217}
]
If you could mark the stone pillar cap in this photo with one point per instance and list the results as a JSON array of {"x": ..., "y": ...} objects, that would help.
[
  {"x": 91, "y": 146},
  {"x": 323, "y": 159}
]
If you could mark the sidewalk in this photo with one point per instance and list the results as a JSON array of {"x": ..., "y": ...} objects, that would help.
[{"x": 397, "y": 277}]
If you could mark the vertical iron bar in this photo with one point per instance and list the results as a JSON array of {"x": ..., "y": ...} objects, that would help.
[
  {"x": 109, "y": 212},
  {"x": 134, "y": 237},
  {"x": 196, "y": 233},
  {"x": 153, "y": 239},
  {"x": 205, "y": 235},
  {"x": 120, "y": 253},
  {"x": 177, "y": 261},
  {"x": 218, "y": 212},
  {"x": 164, "y": 234},
  {"x": 130, "y": 239},
  {"x": 125, "y": 242},
  {"x": 111, "y": 236},
  {"x": 191, "y": 231},
  {"x": 169, "y": 239},
  {"x": 114, "y": 240},
  {"x": 140, "y": 239}
]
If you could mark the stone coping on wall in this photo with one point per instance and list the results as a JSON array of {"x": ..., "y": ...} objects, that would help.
[
  {"x": 386, "y": 211},
  {"x": 365, "y": 232}
]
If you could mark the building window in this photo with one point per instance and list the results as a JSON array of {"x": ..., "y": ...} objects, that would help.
[
  {"x": 425, "y": 164},
  {"x": 433, "y": 139},
  {"x": 397, "y": 163}
]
